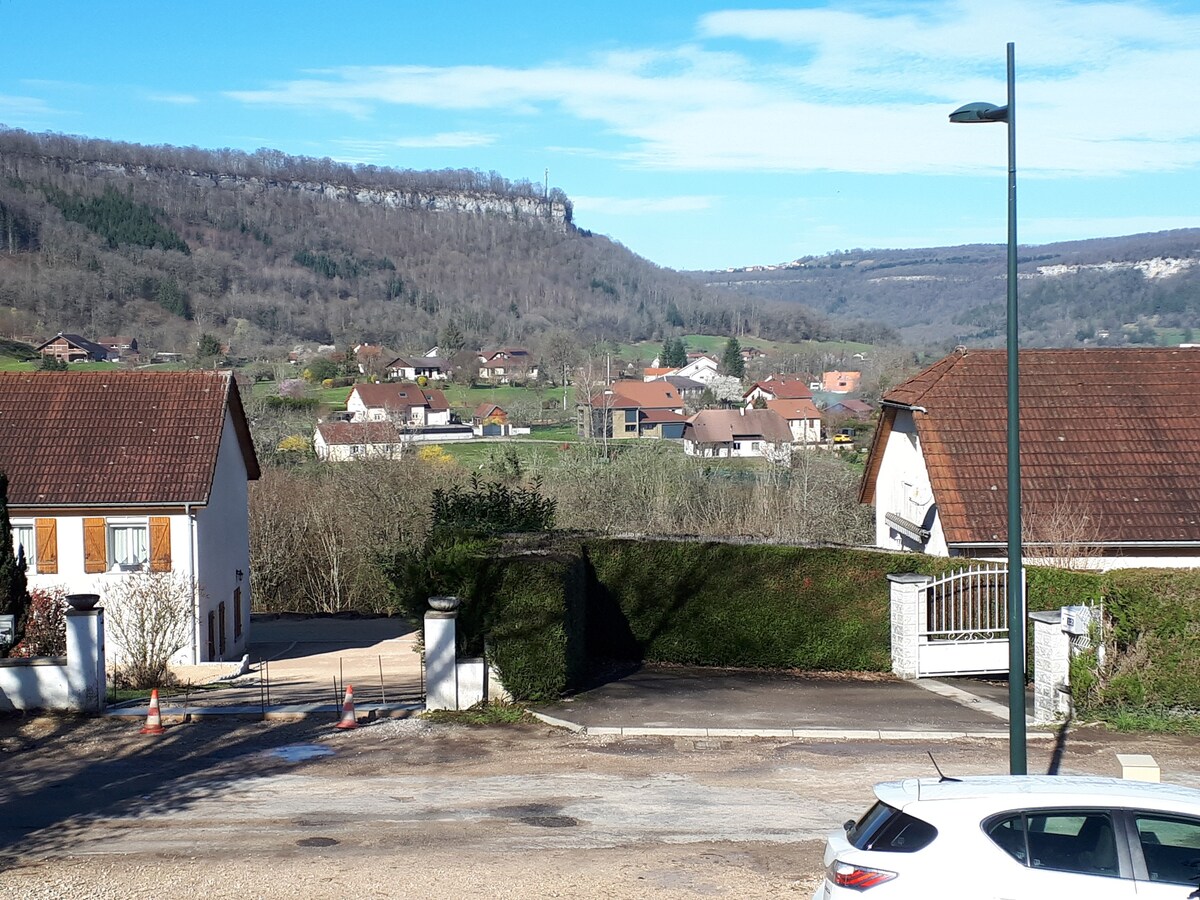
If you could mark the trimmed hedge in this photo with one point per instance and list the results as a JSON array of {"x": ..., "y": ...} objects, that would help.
[
  {"x": 1154, "y": 660},
  {"x": 549, "y": 607},
  {"x": 742, "y": 605}
]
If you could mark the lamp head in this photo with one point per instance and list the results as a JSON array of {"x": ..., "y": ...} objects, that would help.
[{"x": 980, "y": 112}]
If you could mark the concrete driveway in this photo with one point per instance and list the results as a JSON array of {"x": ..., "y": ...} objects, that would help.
[{"x": 307, "y": 661}]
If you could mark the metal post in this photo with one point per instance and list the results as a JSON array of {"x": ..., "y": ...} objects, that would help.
[{"x": 1016, "y": 597}]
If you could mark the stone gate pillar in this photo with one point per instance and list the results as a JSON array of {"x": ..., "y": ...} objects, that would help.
[
  {"x": 907, "y": 598},
  {"x": 86, "y": 684},
  {"x": 441, "y": 669}
]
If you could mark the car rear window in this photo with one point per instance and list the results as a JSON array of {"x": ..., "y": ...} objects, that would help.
[{"x": 885, "y": 828}]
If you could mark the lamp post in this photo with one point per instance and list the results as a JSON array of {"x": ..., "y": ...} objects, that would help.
[{"x": 987, "y": 112}]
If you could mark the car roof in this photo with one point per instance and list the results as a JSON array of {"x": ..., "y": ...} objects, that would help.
[{"x": 1000, "y": 791}]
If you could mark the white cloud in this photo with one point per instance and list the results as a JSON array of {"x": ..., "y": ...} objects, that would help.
[
  {"x": 446, "y": 140},
  {"x": 23, "y": 111},
  {"x": 174, "y": 99},
  {"x": 636, "y": 206},
  {"x": 1101, "y": 90}
]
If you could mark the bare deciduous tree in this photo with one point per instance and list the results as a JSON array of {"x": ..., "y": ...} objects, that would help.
[{"x": 149, "y": 618}]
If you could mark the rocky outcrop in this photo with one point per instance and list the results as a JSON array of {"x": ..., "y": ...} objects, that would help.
[{"x": 513, "y": 207}]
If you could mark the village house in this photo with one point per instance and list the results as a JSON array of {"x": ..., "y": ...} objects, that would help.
[
  {"x": 781, "y": 387},
  {"x": 490, "y": 420},
  {"x": 738, "y": 433},
  {"x": 508, "y": 365},
  {"x": 112, "y": 474},
  {"x": 840, "y": 382},
  {"x": 633, "y": 409},
  {"x": 1107, "y": 480},
  {"x": 119, "y": 348},
  {"x": 410, "y": 368},
  {"x": 71, "y": 348},
  {"x": 397, "y": 402}
]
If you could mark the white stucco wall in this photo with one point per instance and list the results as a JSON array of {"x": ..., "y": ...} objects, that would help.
[
  {"x": 223, "y": 548},
  {"x": 72, "y": 579},
  {"x": 902, "y": 487}
]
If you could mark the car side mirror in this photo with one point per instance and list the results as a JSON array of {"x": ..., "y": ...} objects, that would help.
[{"x": 847, "y": 825}]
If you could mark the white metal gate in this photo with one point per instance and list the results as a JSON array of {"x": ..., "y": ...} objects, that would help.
[{"x": 962, "y": 623}]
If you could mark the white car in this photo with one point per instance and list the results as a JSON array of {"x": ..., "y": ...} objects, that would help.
[{"x": 1019, "y": 837}]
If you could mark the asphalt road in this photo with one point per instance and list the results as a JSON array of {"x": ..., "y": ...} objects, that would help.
[{"x": 402, "y": 808}]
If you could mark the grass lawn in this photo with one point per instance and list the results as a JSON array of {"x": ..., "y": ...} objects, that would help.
[
  {"x": 713, "y": 344},
  {"x": 8, "y": 364},
  {"x": 564, "y": 433}
]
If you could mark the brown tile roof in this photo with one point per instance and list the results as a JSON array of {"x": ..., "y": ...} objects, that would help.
[
  {"x": 1112, "y": 434},
  {"x": 103, "y": 438},
  {"x": 399, "y": 396},
  {"x": 795, "y": 409},
  {"x": 720, "y": 426},
  {"x": 483, "y": 410},
  {"x": 649, "y": 394},
  {"x": 342, "y": 433},
  {"x": 783, "y": 389}
]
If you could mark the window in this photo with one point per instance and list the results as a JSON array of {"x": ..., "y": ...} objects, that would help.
[
  {"x": 128, "y": 546},
  {"x": 1070, "y": 841},
  {"x": 885, "y": 828},
  {"x": 755, "y": 446},
  {"x": 23, "y": 539},
  {"x": 630, "y": 429},
  {"x": 631, "y": 415},
  {"x": 1171, "y": 847}
]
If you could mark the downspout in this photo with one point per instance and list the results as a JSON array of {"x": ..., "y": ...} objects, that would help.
[{"x": 195, "y": 605}]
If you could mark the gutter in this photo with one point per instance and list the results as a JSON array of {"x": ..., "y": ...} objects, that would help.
[{"x": 194, "y": 610}]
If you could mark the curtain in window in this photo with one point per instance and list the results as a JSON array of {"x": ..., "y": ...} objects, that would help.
[
  {"x": 22, "y": 536},
  {"x": 129, "y": 544}
]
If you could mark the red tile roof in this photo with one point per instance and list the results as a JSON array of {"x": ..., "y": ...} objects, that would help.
[
  {"x": 795, "y": 409},
  {"x": 1113, "y": 434},
  {"x": 104, "y": 438},
  {"x": 629, "y": 394},
  {"x": 783, "y": 389}
]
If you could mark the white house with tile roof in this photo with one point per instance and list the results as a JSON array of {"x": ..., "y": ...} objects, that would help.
[{"x": 117, "y": 473}]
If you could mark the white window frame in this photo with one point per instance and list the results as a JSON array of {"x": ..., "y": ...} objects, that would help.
[
  {"x": 112, "y": 527},
  {"x": 30, "y": 547}
]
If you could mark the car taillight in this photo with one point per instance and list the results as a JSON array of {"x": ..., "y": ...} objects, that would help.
[{"x": 857, "y": 878}]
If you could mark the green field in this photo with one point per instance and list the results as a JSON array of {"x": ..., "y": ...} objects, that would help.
[
  {"x": 462, "y": 398},
  {"x": 707, "y": 343}
]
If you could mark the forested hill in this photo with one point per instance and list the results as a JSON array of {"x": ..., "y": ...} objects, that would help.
[
  {"x": 1140, "y": 289},
  {"x": 264, "y": 250}
]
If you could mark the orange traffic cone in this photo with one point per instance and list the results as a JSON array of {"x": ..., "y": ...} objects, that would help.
[
  {"x": 153, "y": 717},
  {"x": 347, "y": 720}
]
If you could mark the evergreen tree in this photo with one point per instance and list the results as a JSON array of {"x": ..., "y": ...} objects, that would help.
[
  {"x": 14, "y": 592},
  {"x": 452, "y": 340},
  {"x": 674, "y": 354},
  {"x": 731, "y": 360}
]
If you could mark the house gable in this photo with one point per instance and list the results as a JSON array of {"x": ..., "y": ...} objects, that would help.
[
  {"x": 102, "y": 438},
  {"x": 1129, "y": 468}
]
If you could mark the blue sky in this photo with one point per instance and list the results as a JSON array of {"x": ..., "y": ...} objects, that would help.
[{"x": 699, "y": 135}]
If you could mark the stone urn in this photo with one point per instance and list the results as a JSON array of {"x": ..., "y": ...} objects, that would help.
[
  {"x": 444, "y": 603},
  {"x": 82, "y": 602}
]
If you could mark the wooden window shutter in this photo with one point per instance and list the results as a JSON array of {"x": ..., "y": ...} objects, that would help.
[
  {"x": 95, "y": 545},
  {"x": 160, "y": 544},
  {"x": 47, "y": 546}
]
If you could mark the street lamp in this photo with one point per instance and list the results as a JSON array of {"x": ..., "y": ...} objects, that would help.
[{"x": 987, "y": 112}]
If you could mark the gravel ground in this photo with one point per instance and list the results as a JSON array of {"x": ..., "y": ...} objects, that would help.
[{"x": 405, "y": 808}]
